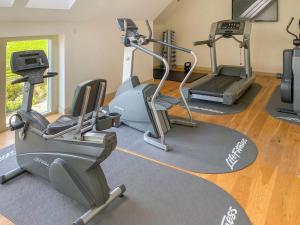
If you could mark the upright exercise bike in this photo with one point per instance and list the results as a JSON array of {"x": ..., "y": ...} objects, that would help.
[
  {"x": 142, "y": 106},
  {"x": 290, "y": 84},
  {"x": 69, "y": 151}
]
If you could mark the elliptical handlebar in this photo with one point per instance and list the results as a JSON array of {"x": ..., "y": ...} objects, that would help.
[
  {"x": 296, "y": 41},
  {"x": 150, "y": 35},
  {"x": 145, "y": 40},
  {"x": 289, "y": 26}
]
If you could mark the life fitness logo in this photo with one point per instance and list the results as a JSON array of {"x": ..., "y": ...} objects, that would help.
[
  {"x": 230, "y": 217},
  {"x": 235, "y": 155},
  {"x": 7, "y": 155}
]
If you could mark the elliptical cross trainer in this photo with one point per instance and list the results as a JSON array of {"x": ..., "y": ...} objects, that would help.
[
  {"x": 142, "y": 106},
  {"x": 290, "y": 84},
  {"x": 69, "y": 151}
]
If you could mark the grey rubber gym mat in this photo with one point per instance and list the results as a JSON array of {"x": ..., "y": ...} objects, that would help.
[
  {"x": 214, "y": 108},
  {"x": 207, "y": 148},
  {"x": 156, "y": 195},
  {"x": 275, "y": 103}
]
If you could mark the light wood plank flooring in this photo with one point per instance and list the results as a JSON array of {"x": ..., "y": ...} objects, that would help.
[{"x": 269, "y": 190}]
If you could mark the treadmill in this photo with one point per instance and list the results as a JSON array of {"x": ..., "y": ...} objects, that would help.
[{"x": 226, "y": 84}]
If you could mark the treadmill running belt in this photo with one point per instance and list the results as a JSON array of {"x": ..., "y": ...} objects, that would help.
[
  {"x": 177, "y": 75},
  {"x": 215, "y": 86}
]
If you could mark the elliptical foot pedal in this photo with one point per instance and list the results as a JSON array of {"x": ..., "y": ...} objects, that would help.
[
  {"x": 152, "y": 141},
  {"x": 183, "y": 122}
]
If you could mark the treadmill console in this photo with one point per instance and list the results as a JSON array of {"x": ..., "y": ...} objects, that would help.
[{"x": 230, "y": 27}]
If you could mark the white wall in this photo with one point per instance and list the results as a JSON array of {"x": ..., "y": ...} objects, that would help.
[
  {"x": 87, "y": 51},
  {"x": 191, "y": 19}
]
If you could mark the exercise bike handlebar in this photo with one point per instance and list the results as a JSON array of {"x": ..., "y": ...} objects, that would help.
[
  {"x": 50, "y": 74},
  {"x": 25, "y": 78},
  {"x": 20, "y": 80},
  {"x": 53, "y": 136}
]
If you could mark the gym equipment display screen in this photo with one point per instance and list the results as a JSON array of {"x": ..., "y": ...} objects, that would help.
[{"x": 255, "y": 10}]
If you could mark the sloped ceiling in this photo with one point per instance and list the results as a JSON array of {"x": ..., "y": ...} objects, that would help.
[{"x": 87, "y": 10}]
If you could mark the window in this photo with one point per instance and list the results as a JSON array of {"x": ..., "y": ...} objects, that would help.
[
  {"x": 50, "y": 4},
  {"x": 6, "y": 3}
]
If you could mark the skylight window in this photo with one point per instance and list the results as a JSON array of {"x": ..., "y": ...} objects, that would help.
[
  {"x": 6, "y": 3},
  {"x": 50, "y": 4}
]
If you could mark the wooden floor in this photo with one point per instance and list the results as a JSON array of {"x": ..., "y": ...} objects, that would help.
[{"x": 269, "y": 190}]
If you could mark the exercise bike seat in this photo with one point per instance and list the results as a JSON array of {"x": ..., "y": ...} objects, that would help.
[{"x": 62, "y": 123}]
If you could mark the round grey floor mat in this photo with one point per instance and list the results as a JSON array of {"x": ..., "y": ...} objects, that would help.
[
  {"x": 275, "y": 103},
  {"x": 156, "y": 195},
  {"x": 214, "y": 108},
  {"x": 208, "y": 148}
]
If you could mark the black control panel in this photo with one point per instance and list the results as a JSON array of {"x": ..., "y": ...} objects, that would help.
[
  {"x": 230, "y": 27},
  {"x": 28, "y": 61},
  {"x": 31, "y": 65}
]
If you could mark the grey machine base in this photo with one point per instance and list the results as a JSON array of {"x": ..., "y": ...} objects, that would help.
[
  {"x": 206, "y": 148},
  {"x": 156, "y": 195},
  {"x": 275, "y": 103},
  {"x": 215, "y": 108}
]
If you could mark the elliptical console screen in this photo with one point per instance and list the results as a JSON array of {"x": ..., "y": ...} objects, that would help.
[{"x": 230, "y": 27}]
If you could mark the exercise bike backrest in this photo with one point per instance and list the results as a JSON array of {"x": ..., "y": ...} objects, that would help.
[{"x": 296, "y": 41}]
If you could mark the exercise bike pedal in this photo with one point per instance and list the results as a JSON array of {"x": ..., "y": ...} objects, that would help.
[
  {"x": 123, "y": 189},
  {"x": 11, "y": 175}
]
